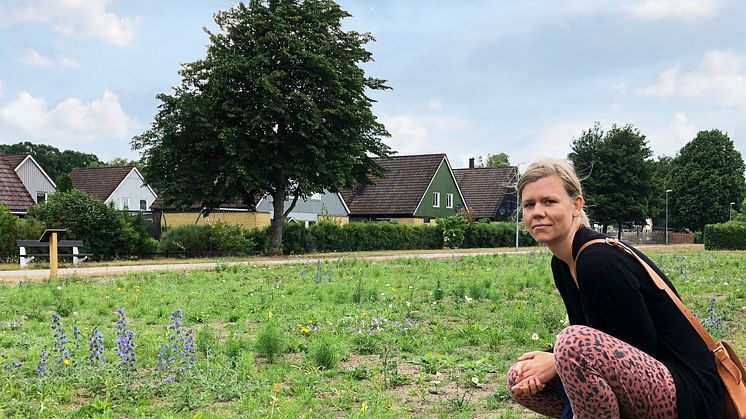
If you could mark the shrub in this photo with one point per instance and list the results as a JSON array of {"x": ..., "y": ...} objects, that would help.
[
  {"x": 270, "y": 342},
  {"x": 294, "y": 239},
  {"x": 230, "y": 238},
  {"x": 453, "y": 230},
  {"x": 105, "y": 231},
  {"x": 327, "y": 236},
  {"x": 730, "y": 235},
  {"x": 190, "y": 237},
  {"x": 324, "y": 354},
  {"x": 8, "y": 233}
]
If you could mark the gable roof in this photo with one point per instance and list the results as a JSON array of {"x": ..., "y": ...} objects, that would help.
[
  {"x": 400, "y": 192},
  {"x": 16, "y": 160},
  {"x": 13, "y": 194},
  {"x": 99, "y": 182},
  {"x": 484, "y": 188}
]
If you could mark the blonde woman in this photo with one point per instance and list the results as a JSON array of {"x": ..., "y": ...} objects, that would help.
[{"x": 628, "y": 352}]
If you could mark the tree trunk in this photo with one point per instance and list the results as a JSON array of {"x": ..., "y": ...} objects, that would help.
[
  {"x": 619, "y": 232},
  {"x": 278, "y": 203},
  {"x": 606, "y": 229}
]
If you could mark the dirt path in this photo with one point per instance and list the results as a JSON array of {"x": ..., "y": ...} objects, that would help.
[{"x": 38, "y": 275}]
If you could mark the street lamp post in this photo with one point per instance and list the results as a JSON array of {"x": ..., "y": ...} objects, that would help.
[
  {"x": 667, "y": 192},
  {"x": 517, "y": 203},
  {"x": 730, "y": 211}
]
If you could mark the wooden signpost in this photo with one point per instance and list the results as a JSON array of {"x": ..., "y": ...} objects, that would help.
[{"x": 52, "y": 235}]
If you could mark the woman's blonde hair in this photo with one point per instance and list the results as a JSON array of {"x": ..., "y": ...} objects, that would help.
[{"x": 564, "y": 170}]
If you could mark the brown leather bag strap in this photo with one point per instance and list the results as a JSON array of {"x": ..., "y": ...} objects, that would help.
[{"x": 659, "y": 282}]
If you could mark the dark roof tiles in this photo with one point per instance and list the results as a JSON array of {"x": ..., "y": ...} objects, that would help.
[
  {"x": 99, "y": 182},
  {"x": 15, "y": 159},
  {"x": 13, "y": 194},
  {"x": 484, "y": 188}
]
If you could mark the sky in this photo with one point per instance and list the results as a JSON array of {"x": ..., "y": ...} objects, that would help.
[{"x": 468, "y": 78}]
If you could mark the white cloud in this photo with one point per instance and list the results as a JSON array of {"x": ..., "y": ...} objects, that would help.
[
  {"x": 667, "y": 138},
  {"x": 720, "y": 79},
  {"x": 72, "y": 17},
  {"x": 71, "y": 120},
  {"x": 33, "y": 58},
  {"x": 408, "y": 134},
  {"x": 672, "y": 9},
  {"x": 68, "y": 62}
]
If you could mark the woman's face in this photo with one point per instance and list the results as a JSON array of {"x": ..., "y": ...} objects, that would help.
[{"x": 549, "y": 213}]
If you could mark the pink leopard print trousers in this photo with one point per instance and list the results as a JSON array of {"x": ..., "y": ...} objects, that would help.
[{"x": 603, "y": 377}]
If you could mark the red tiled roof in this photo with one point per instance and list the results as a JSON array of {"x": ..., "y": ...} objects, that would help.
[
  {"x": 99, "y": 182},
  {"x": 13, "y": 194},
  {"x": 400, "y": 192},
  {"x": 15, "y": 159},
  {"x": 485, "y": 187}
]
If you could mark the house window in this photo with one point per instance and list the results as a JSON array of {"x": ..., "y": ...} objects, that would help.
[
  {"x": 436, "y": 199},
  {"x": 124, "y": 203},
  {"x": 41, "y": 197},
  {"x": 143, "y": 205},
  {"x": 449, "y": 200}
]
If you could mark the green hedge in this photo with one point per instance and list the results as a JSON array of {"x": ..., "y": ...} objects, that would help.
[
  {"x": 219, "y": 237},
  {"x": 331, "y": 237},
  {"x": 730, "y": 235},
  {"x": 500, "y": 234}
]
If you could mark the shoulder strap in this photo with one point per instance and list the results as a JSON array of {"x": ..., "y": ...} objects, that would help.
[{"x": 659, "y": 282}]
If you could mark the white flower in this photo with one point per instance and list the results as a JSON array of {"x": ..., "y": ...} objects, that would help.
[
  {"x": 435, "y": 302},
  {"x": 409, "y": 303},
  {"x": 59, "y": 288},
  {"x": 476, "y": 382},
  {"x": 411, "y": 287},
  {"x": 725, "y": 283},
  {"x": 435, "y": 382},
  {"x": 468, "y": 299},
  {"x": 535, "y": 336}
]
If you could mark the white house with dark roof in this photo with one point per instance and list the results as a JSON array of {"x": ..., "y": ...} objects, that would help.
[
  {"x": 123, "y": 187},
  {"x": 37, "y": 182},
  {"x": 13, "y": 195}
]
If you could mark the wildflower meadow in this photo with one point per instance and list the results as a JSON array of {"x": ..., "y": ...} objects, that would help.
[{"x": 350, "y": 338}]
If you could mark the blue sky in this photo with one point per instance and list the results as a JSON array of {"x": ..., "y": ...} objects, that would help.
[{"x": 467, "y": 78}]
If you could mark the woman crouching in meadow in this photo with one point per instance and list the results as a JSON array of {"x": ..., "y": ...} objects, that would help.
[{"x": 628, "y": 352}]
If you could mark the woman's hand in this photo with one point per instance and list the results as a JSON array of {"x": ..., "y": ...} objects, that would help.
[{"x": 534, "y": 369}]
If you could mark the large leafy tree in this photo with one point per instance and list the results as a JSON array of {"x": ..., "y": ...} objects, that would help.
[
  {"x": 278, "y": 106},
  {"x": 706, "y": 176},
  {"x": 616, "y": 170},
  {"x": 51, "y": 159}
]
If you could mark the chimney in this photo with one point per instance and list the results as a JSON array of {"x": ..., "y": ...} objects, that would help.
[{"x": 471, "y": 163}]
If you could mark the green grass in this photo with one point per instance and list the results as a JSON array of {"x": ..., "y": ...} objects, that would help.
[{"x": 345, "y": 338}]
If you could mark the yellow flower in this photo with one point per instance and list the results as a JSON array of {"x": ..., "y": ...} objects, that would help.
[
  {"x": 304, "y": 330},
  {"x": 66, "y": 362},
  {"x": 364, "y": 407},
  {"x": 269, "y": 314}
]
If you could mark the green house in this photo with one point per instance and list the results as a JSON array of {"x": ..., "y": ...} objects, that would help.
[{"x": 415, "y": 190}]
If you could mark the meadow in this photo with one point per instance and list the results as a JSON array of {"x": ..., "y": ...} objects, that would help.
[{"x": 350, "y": 338}]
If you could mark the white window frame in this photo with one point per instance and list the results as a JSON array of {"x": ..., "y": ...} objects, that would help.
[
  {"x": 436, "y": 199},
  {"x": 143, "y": 207},
  {"x": 449, "y": 200},
  {"x": 46, "y": 196}
]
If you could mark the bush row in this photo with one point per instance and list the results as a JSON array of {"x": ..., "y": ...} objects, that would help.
[
  {"x": 332, "y": 237},
  {"x": 730, "y": 236}
]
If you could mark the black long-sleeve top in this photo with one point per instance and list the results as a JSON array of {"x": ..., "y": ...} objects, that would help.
[{"x": 616, "y": 296}]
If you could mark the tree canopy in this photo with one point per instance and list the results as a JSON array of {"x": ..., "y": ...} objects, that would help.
[
  {"x": 278, "y": 106},
  {"x": 706, "y": 176},
  {"x": 495, "y": 160},
  {"x": 616, "y": 170},
  {"x": 51, "y": 159}
]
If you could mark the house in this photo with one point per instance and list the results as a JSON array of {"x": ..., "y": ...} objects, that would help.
[
  {"x": 13, "y": 195},
  {"x": 231, "y": 213},
  {"x": 37, "y": 182},
  {"x": 123, "y": 187},
  {"x": 489, "y": 191},
  {"x": 320, "y": 206},
  {"x": 415, "y": 190}
]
